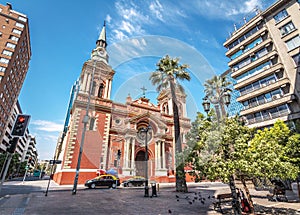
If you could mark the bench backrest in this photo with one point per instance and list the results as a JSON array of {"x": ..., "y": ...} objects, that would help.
[{"x": 224, "y": 196}]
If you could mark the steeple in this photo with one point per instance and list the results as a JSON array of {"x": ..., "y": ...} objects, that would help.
[
  {"x": 102, "y": 37},
  {"x": 99, "y": 53}
]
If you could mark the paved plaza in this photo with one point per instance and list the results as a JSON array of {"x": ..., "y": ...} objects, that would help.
[{"x": 199, "y": 200}]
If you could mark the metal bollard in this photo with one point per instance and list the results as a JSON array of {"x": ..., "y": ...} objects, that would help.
[{"x": 154, "y": 193}]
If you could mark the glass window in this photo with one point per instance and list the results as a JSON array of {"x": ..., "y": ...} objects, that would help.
[
  {"x": 22, "y": 18},
  {"x": 280, "y": 16},
  {"x": 16, "y": 31},
  {"x": 5, "y": 52},
  {"x": 2, "y": 69},
  {"x": 287, "y": 28},
  {"x": 19, "y": 25},
  {"x": 10, "y": 45},
  {"x": 4, "y": 60},
  {"x": 293, "y": 43},
  {"x": 268, "y": 97},
  {"x": 297, "y": 58},
  {"x": 14, "y": 38}
]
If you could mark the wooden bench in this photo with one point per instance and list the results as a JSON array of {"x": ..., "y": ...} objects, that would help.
[{"x": 222, "y": 198}]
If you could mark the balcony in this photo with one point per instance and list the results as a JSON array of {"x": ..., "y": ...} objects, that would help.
[
  {"x": 276, "y": 101},
  {"x": 266, "y": 87},
  {"x": 257, "y": 47},
  {"x": 269, "y": 119},
  {"x": 259, "y": 75},
  {"x": 241, "y": 31},
  {"x": 254, "y": 64}
]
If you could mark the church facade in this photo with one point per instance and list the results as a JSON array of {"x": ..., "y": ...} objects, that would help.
[{"x": 113, "y": 138}]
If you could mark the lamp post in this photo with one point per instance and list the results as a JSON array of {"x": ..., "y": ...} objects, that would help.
[
  {"x": 218, "y": 102},
  {"x": 145, "y": 130},
  {"x": 85, "y": 121}
]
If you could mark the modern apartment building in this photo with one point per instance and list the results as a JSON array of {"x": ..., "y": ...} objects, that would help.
[
  {"x": 26, "y": 147},
  {"x": 15, "y": 54},
  {"x": 264, "y": 58}
]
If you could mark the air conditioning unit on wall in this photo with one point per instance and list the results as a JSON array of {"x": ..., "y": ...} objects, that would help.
[{"x": 277, "y": 96}]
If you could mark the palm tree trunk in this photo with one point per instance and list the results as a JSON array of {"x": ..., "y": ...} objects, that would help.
[
  {"x": 181, "y": 185},
  {"x": 247, "y": 194}
]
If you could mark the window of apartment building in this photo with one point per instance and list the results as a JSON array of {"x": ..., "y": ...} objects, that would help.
[
  {"x": 16, "y": 31},
  {"x": 19, "y": 25},
  {"x": 10, "y": 45},
  {"x": 280, "y": 16},
  {"x": 250, "y": 59},
  {"x": 293, "y": 43},
  {"x": 245, "y": 36},
  {"x": 6, "y": 52},
  {"x": 254, "y": 71},
  {"x": 4, "y": 60},
  {"x": 289, "y": 27},
  {"x": 14, "y": 38},
  {"x": 297, "y": 58},
  {"x": 247, "y": 48},
  {"x": 22, "y": 18},
  {"x": 2, "y": 69}
]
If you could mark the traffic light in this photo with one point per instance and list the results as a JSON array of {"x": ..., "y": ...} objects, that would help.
[
  {"x": 13, "y": 144},
  {"x": 119, "y": 153},
  {"x": 20, "y": 125}
]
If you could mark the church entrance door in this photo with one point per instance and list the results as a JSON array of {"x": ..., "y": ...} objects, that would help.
[{"x": 140, "y": 163}]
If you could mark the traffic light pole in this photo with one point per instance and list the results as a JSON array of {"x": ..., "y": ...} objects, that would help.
[{"x": 6, "y": 164}]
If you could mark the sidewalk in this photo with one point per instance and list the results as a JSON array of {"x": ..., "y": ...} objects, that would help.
[{"x": 127, "y": 201}]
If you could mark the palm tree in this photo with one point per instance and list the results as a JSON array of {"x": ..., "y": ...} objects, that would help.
[
  {"x": 168, "y": 71},
  {"x": 213, "y": 89}
]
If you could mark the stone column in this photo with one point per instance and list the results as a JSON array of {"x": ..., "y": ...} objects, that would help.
[
  {"x": 84, "y": 82},
  {"x": 163, "y": 155},
  {"x": 158, "y": 153},
  {"x": 88, "y": 83},
  {"x": 126, "y": 154},
  {"x": 132, "y": 152}
]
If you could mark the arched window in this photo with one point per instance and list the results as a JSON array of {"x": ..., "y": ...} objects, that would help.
[{"x": 101, "y": 90}]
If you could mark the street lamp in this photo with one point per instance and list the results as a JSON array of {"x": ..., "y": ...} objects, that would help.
[
  {"x": 145, "y": 130},
  {"x": 219, "y": 101},
  {"x": 85, "y": 121}
]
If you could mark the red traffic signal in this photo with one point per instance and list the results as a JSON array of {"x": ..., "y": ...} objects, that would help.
[{"x": 20, "y": 125}]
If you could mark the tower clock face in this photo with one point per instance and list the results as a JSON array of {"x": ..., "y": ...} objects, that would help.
[{"x": 101, "y": 52}]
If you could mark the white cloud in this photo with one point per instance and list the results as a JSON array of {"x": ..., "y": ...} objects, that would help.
[
  {"x": 48, "y": 126},
  {"x": 157, "y": 9},
  {"x": 119, "y": 35},
  {"x": 108, "y": 18},
  {"x": 127, "y": 27}
]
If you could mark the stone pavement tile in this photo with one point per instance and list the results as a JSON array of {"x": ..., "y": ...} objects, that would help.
[
  {"x": 119, "y": 201},
  {"x": 14, "y": 204}
]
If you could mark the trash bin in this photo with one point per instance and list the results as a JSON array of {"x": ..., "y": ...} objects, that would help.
[{"x": 153, "y": 186}]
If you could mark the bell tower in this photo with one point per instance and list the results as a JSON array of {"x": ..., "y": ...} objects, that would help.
[{"x": 97, "y": 70}]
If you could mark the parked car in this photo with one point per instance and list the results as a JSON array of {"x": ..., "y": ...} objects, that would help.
[
  {"x": 103, "y": 180},
  {"x": 134, "y": 182}
]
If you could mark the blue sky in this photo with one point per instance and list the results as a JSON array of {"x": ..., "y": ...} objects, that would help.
[{"x": 139, "y": 33}]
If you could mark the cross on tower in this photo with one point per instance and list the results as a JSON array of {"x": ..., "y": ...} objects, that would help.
[{"x": 144, "y": 91}]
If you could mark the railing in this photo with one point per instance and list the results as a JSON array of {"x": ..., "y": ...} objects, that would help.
[
  {"x": 268, "y": 117},
  {"x": 261, "y": 102},
  {"x": 258, "y": 87}
]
